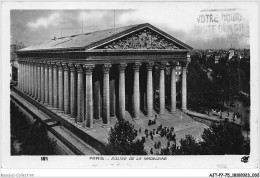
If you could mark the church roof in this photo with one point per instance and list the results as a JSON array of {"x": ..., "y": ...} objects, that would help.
[{"x": 93, "y": 40}]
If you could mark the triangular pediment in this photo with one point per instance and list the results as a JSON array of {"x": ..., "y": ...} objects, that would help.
[{"x": 145, "y": 38}]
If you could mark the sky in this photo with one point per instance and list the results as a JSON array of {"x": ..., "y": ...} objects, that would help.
[{"x": 200, "y": 25}]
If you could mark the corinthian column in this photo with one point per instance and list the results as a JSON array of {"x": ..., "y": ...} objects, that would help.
[
  {"x": 38, "y": 81},
  {"x": 42, "y": 83},
  {"x": 73, "y": 92},
  {"x": 162, "y": 88},
  {"x": 26, "y": 77},
  {"x": 29, "y": 78},
  {"x": 184, "y": 86},
  {"x": 173, "y": 87},
  {"x": 35, "y": 80},
  {"x": 21, "y": 75},
  {"x": 136, "y": 90},
  {"x": 60, "y": 88},
  {"x": 121, "y": 69},
  {"x": 55, "y": 86},
  {"x": 50, "y": 85},
  {"x": 106, "y": 104},
  {"x": 46, "y": 84},
  {"x": 80, "y": 97},
  {"x": 149, "y": 68},
  {"x": 89, "y": 95},
  {"x": 66, "y": 89}
]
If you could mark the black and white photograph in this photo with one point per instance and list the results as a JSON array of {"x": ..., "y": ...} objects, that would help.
[{"x": 131, "y": 85}]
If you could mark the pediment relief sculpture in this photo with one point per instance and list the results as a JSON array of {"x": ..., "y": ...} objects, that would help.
[{"x": 145, "y": 39}]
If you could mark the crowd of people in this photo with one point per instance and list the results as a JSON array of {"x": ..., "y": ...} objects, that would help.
[{"x": 167, "y": 132}]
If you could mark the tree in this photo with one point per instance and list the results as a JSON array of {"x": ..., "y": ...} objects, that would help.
[
  {"x": 189, "y": 146},
  {"x": 218, "y": 139},
  {"x": 123, "y": 140},
  {"x": 222, "y": 139}
]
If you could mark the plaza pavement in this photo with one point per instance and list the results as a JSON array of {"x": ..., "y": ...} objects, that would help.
[{"x": 182, "y": 123}]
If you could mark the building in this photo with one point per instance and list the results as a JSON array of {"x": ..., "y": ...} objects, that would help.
[{"x": 103, "y": 74}]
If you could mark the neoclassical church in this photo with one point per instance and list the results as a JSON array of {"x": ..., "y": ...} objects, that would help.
[{"x": 104, "y": 74}]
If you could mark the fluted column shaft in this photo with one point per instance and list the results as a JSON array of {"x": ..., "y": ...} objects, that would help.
[
  {"x": 38, "y": 81},
  {"x": 27, "y": 78},
  {"x": 106, "y": 103},
  {"x": 55, "y": 86},
  {"x": 162, "y": 88},
  {"x": 149, "y": 68},
  {"x": 121, "y": 69},
  {"x": 89, "y": 96},
  {"x": 50, "y": 85},
  {"x": 66, "y": 89},
  {"x": 173, "y": 88},
  {"x": 42, "y": 83},
  {"x": 136, "y": 90},
  {"x": 184, "y": 87},
  {"x": 97, "y": 99},
  {"x": 35, "y": 80},
  {"x": 46, "y": 84},
  {"x": 80, "y": 93},
  {"x": 60, "y": 87},
  {"x": 19, "y": 75},
  {"x": 31, "y": 79},
  {"x": 24, "y": 77},
  {"x": 112, "y": 96},
  {"x": 73, "y": 92}
]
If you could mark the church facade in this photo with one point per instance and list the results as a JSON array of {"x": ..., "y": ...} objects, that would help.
[{"x": 104, "y": 74}]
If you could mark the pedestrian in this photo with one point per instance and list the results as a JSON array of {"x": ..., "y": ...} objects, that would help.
[
  {"x": 151, "y": 151},
  {"x": 168, "y": 144},
  {"x": 140, "y": 130},
  {"x": 149, "y": 122},
  {"x": 155, "y": 116}
]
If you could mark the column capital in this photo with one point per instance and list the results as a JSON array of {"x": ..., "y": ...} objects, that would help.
[
  {"x": 88, "y": 68},
  {"x": 65, "y": 66},
  {"x": 54, "y": 65},
  {"x": 72, "y": 67},
  {"x": 162, "y": 65},
  {"x": 45, "y": 65},
  {"x": 174, "y": 63},
  {"x": 38, "y": 63},
  {"x": 49, "y": 64},
  {"x": 184, "y": 64},
  {"x": 149, "y": 66},
  {"x": 122, "y": 67},
  {"x": 106, "y": 68},
  {"x": 59, "y": 65},
  {"x": 79, "y": 67},
  {"x": 136, "y": 66}
]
